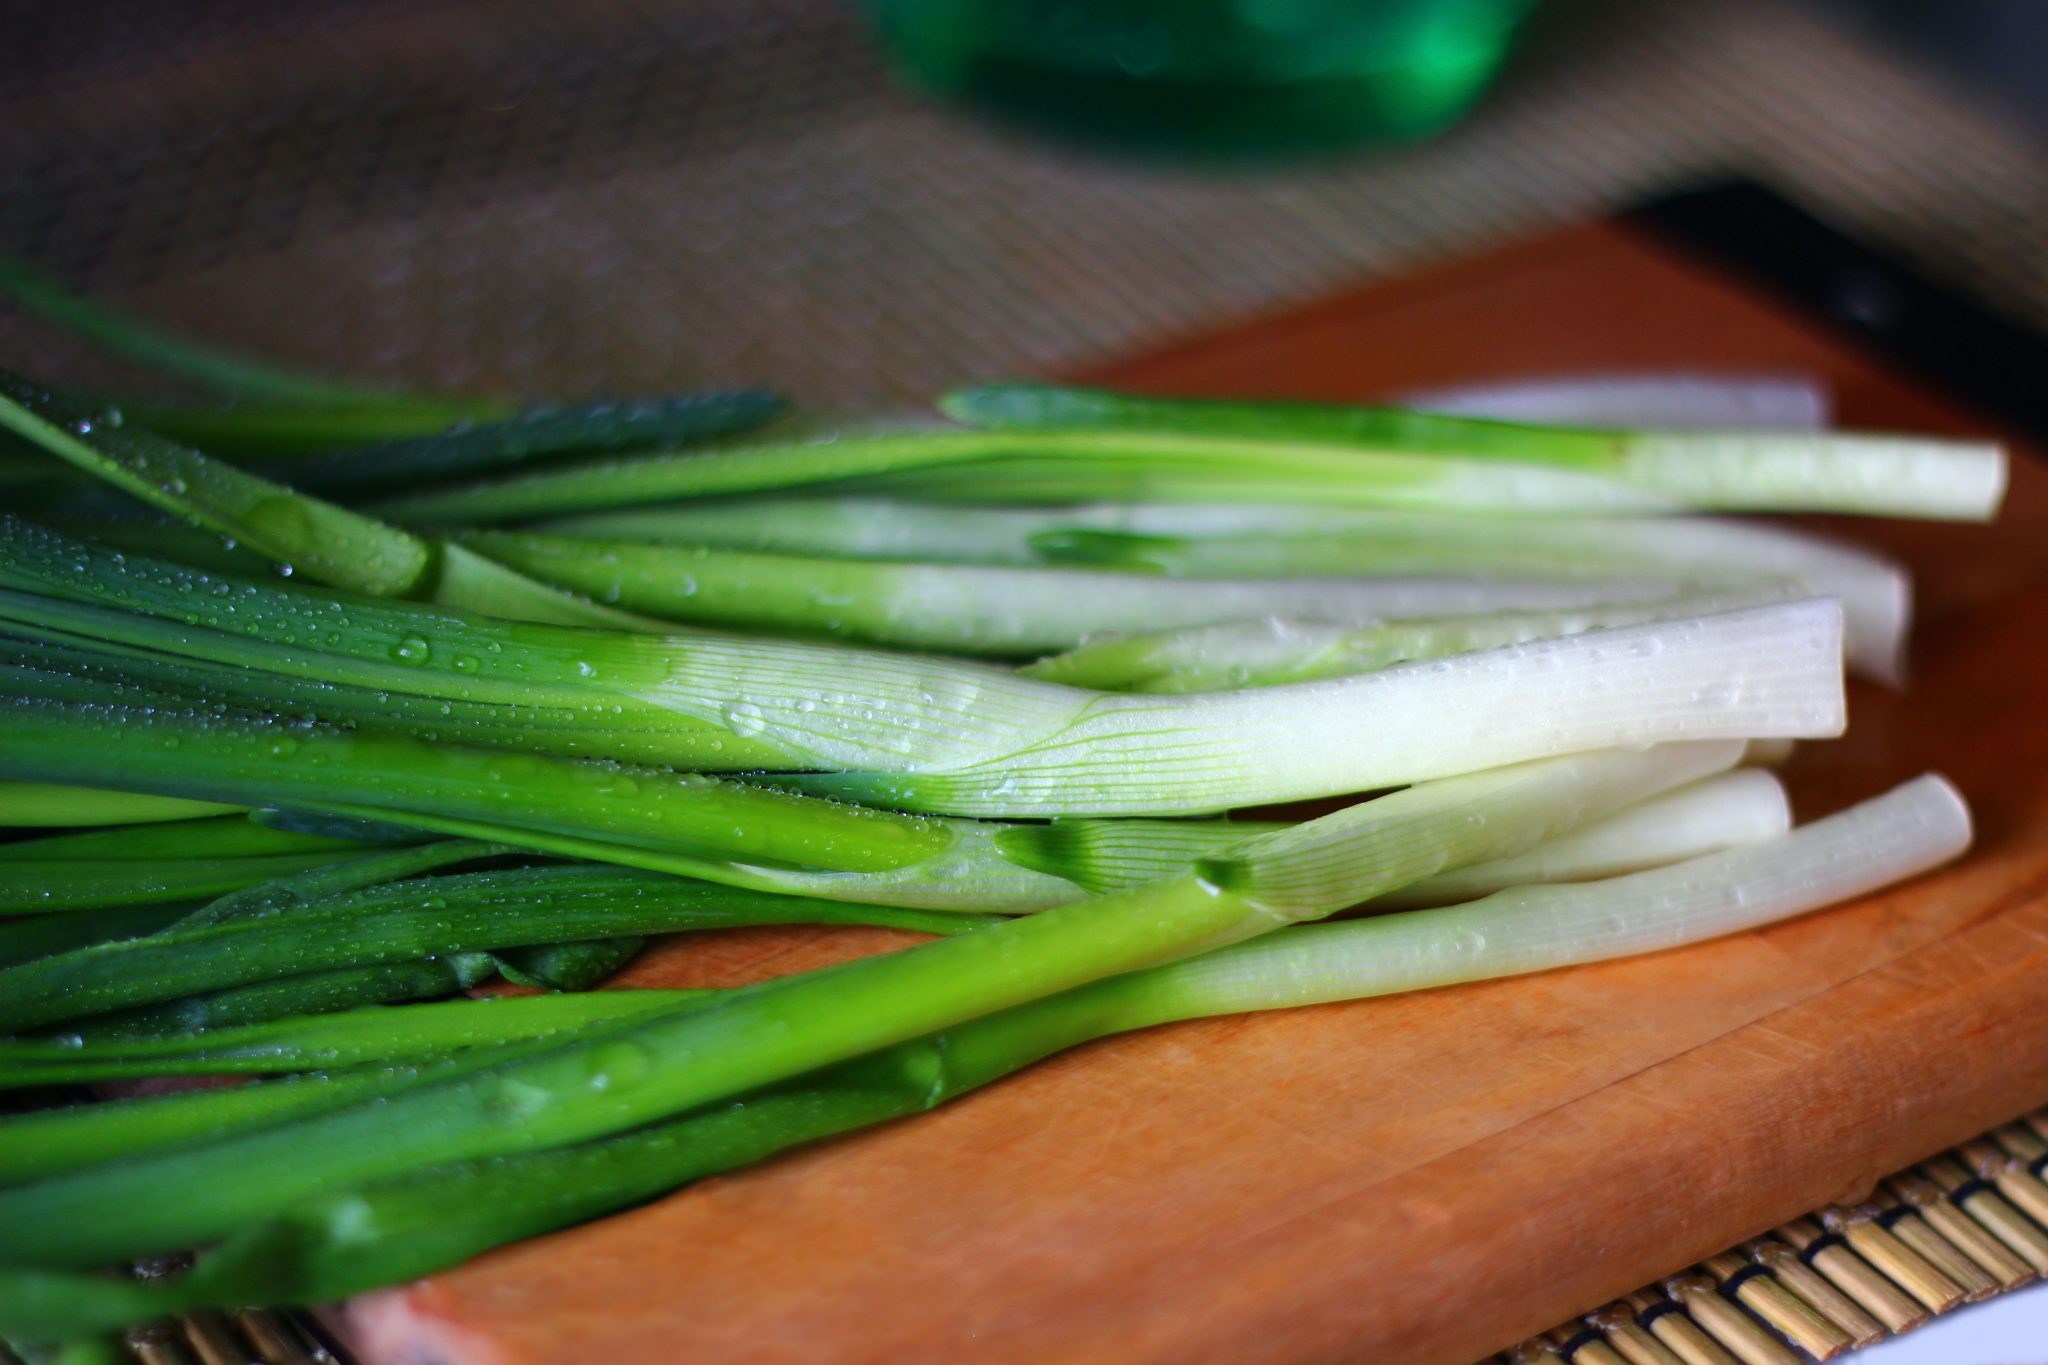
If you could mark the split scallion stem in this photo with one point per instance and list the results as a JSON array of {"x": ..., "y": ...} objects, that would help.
[{"x": 362, "y": 870}]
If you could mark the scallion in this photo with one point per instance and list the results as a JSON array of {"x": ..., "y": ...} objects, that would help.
[{"x": 396, "y": 1227}]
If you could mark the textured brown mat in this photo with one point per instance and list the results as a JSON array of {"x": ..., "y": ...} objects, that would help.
[{"x": 620, "y": 195}]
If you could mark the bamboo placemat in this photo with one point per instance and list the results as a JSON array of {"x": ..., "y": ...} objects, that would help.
[
  {"x": 630, "y": 195},
  {"x": 1963, "y": 1227}
]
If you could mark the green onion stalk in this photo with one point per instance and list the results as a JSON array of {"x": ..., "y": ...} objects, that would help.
[
  {"x": 536, "y": 433},
  {"x": 1872, "y": 475},
  {"x": 376, "y": 1035},
  {"x": 1727, "y": 810},
  {"x": 1252, "y": 540},
  {"x": 220, "y": 836},
  {"x": 42, "y": 886},
  {"x": 324, "y": 1243},
  {"x": 1035, "y": 445},
  {"x": 339, "y": 988},
  {"x": 263, "y": 964},
  {"x": 938, "y": 735},
  {"x": 229, "y": 375},
  {"x": 691, "y": 825},
  {"x": 271, "y": 410},
  {"x": 43, "y": 1143},
  {"x": 326, "y": 541},
  {"x": 994, "y": 611},
  {"x": 1273, "y": 651}
]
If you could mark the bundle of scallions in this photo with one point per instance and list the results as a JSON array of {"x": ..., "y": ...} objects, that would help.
[{"x": 355, "y": 700}]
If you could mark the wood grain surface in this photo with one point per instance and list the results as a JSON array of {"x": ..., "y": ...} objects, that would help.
[{"x": 1423, "y": 1178}]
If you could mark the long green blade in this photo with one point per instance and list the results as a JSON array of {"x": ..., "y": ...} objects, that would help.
[
  {"x": 378, "y": 1035},
  {"x": 34, "y": 936},
  {"x": 400, "y": 921},
  {"x": 309, "y": 993},
  {"x": 329, "y": 542},
  {"x": 312, "y": 768},
  {"x": 297, "y": 531},
  {"x": 232, "y": 375},
  {"x": 538, "y": 433},
  {"x": 45, "y": 886}
]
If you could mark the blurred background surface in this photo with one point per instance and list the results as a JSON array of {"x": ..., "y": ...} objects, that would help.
[{"x": 624, "y": 195}]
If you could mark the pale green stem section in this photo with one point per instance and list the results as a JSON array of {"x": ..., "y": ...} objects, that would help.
[
  {"x": 1726, "y": 811},
  {"x": 992, "y": 611},
  {"x": 1917, "y": 826},
  {"x": 1770, "y": 671},
  {"x": 1272, "y": 650},
  {"x": 1700, "y": 553}
]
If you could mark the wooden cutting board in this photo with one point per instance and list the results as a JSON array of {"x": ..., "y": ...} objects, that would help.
[{"x": 1424, "y": 1178}]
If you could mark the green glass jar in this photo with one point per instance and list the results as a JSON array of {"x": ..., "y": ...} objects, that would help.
[{"x": 1210, "y": 78}]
